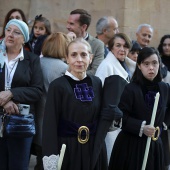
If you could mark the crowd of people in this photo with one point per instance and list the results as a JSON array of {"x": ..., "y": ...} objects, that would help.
[{"x": 95, "y": 94}]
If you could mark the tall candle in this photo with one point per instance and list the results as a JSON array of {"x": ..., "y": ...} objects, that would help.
[
  {"x": 149, "y": 138},
  {"x": 61, "y": 156},
  {"x": 155, "y": 109}
]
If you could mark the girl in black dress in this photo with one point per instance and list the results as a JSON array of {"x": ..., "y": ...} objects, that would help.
[{"x": 137, "y": 103}]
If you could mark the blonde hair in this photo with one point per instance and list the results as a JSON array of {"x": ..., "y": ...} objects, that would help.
[{"x": 55, "y": 45}]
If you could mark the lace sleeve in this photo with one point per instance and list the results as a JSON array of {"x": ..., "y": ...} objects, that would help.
[
  {"x": 115, "y": 125},
  {"x": 141, "y": 129},
  {"x": 164, "y": 126},
  {"x": 50, "y": 162}
]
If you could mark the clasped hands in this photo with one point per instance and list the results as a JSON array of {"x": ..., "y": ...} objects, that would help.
[{"x": 5, "y": 101}]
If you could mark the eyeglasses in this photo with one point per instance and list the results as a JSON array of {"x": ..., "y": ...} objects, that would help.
[{"x": 14, "y": 33}]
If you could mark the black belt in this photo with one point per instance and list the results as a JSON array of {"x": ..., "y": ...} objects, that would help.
[{"x": 82, "y": 132}]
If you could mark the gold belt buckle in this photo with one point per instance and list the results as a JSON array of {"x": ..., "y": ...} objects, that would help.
[
  {"x": 158, "y": 133},
  {"x": 86, "y": 129}
]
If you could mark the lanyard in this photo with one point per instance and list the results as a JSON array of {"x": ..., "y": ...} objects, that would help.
[{"x": 8, "y": 76}]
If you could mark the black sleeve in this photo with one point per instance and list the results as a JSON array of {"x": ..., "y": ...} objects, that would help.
[
  {"x": 50, "y": 121},
  {"x": 33, "y": 91},
  {"x": 167, "y": 114},
  {"x": 164, "y": 71},
  {"x": 113, "y": 88},
  {"x": 39, "y": 44},
  {"x": 129, "y": 123}
]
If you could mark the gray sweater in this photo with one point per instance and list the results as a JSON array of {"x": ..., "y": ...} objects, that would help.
[{"x": 52, "y": 68}]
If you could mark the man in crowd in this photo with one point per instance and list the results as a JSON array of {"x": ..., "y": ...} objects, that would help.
[
  {"x": 78, "y": 22},
  {"x": 106, "y": 28},
  {"x": 144, "y": 35}
]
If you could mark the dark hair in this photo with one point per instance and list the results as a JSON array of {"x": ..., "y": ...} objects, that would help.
[
  {"x": 122, "y": 36},
  {"x": 40, "y": 18},
  {"x": 85, "y": 17},
  {"x": 7, "y": 18},
  {"x": 160, "y": 47},
  {"x": 145, "y": 53},
  {"x": 135, "y": 46}
]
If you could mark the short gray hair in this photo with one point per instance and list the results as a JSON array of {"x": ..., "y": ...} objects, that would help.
[
  {"x": 143, "y": 25},
  {"x": 101, "y": 24}
]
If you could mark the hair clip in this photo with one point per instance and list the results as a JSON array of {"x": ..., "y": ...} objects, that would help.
[{"x": 38, "y": 16}]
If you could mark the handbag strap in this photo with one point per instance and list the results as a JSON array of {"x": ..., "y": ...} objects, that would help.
[
  {"x": 2, "y": 125},
  {"x": 1, "y": 113}
]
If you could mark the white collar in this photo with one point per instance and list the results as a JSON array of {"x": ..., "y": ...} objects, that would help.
[
  {"x": 118, "y": 68},
  {"x": 20, "y": 56},
  {"x": 73, "y": 77},
  {"x": 86, "y": 36}
]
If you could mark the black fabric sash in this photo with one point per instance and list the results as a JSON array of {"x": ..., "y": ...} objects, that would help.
[{"x": 67, "y": 128}]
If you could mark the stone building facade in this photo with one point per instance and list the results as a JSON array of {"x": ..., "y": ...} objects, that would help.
[{"x": 129, "y": 13}]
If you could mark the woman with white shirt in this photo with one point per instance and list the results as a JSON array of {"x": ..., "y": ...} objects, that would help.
[
  {"x": 115, "y": 71},
  {"x": 20, "y": 83},
  {"x": 117, "y": 62}
]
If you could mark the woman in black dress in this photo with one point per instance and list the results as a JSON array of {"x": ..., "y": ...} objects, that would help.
[
  {"x": 164, "y": 50},
  {"x": 137, "y": 104},
  {"x": 72, "y": 113}
]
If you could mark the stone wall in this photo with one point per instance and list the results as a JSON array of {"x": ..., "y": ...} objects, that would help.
[{"x": 129, "y": 13}]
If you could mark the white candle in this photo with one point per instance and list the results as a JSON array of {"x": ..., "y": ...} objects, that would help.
[
  {"x": 155, "y": 109},
  {"x": 62, "y": 152},
  {"x": 149, "y": 138}
]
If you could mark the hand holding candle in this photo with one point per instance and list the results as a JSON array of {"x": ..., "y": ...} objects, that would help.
[{"x": 149, "y": 138}]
